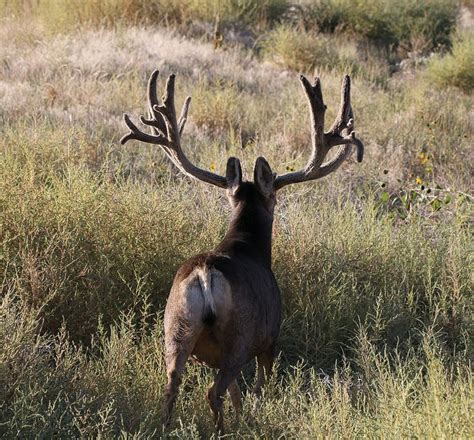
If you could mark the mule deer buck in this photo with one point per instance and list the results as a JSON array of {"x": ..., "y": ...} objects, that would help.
[{"x": 224, "y": 308}]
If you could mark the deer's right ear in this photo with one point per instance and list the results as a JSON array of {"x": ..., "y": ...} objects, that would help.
[
  {"x": 233, "y": 174},
  {"x": 263, "y": 177}
]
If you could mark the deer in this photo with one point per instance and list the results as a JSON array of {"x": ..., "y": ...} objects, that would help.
[{"x": 224, "y": 307}]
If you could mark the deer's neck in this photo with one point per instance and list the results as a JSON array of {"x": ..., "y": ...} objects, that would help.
[{"x": 249, "y": 234}]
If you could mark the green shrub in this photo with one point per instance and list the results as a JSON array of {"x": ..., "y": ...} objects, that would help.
[
  {"x": 292, "y": 48},
  {"x": 297, "y": 49},
  {"x": 406, "y": 24},
  {"x": 83, "y": 246},
  {"x": 250, "y": 12},
  {"x": 456, "y": 68}
]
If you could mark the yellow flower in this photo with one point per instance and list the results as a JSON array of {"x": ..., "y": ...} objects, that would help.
[
  {"x": 423, "y": 158},
  {"x": 212, "y": 167},
  {"x": 418, "y": 181}
]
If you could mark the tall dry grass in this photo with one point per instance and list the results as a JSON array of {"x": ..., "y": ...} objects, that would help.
[{"x": 61, "y": 16}]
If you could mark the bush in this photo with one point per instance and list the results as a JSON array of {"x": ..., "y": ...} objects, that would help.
[
  {"x": 83, "y": 246},
  {"x": 296, "y": 49},
  {"x": 456, "y": 68},
  {"x": 250, "y": 12},
  {"x": 406, "y": 24}
]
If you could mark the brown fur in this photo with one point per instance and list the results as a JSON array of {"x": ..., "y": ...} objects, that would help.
[{"x": 246, "y": 297}]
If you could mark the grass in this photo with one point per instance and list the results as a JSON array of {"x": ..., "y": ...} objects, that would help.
[
  {"x": 63, "y": 16},
  {"x": 374, "y": 263},
  {"x": 84, "y": 243},
  {"x": 295, "y": 48},
  {"x": 404, "y": 25},
  {"x": 456, "y": 68},
  {"x": 114, "y": 389}
]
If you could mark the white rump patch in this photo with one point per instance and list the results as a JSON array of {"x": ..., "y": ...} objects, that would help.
[{"x": 205, "y": 280}]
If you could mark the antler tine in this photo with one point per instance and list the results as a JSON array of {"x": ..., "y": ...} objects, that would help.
[
  {"x": 345, "y": 121},
  {"x": 322, "y": 142},
  {"x": 155, "y": 118},
  {"x": 183, "y": 117},
  {"x": 167, "y": 111},
  {"x": 151, "y": 89},
  {"x": 317, "y": 109},
  {"x": 168, "y": 98},
  {"x": 168, "y": 130},
  {"x": 345, "y": 108},
  {"x": 314, "y": 95},
  {"x": 137, "y": 134}
]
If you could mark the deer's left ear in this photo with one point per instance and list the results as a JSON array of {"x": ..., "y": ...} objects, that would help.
[
  {"x": 263, "y": 177},
  {"x": 233, "y": 174}
]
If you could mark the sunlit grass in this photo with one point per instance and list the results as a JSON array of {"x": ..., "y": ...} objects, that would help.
[{"x": 60, "y": 16}]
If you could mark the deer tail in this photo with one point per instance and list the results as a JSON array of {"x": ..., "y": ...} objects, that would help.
[{"x": 209, "y": 315}]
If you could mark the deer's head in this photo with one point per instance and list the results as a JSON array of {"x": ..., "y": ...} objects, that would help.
[
  {"x": 259, "y": 192},
  {"x": 167, "y": 130}
]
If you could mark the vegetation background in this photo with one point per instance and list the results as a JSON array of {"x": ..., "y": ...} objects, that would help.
[{"x": 375, "y": 263}]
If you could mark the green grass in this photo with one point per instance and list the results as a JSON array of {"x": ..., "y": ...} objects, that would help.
[
  {"x": 405, "y": 25},
  {"x": 374, "y": 263},
  {"x": 455, "y": 69},
  {"x": 54, "y": 388},
  {"x": 84, "y": 244},
  {"x": 295, "y": 48}
]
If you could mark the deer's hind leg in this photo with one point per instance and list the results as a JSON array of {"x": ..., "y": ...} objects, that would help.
[
  {"x": 235, "y": 397},
  {"x": 215, "y": 395},
  {"x": 179, "y": 344},
  {"x": 264, "y": 369},
  {"x": 183, "y": 322}
]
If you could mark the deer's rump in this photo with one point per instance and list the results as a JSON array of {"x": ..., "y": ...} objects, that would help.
[{"x": 226, "y": 306}]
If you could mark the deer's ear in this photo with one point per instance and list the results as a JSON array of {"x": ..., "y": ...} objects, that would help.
[
  {"x": 233, "y": 174},
  {"x": 263, "y": 177}
]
